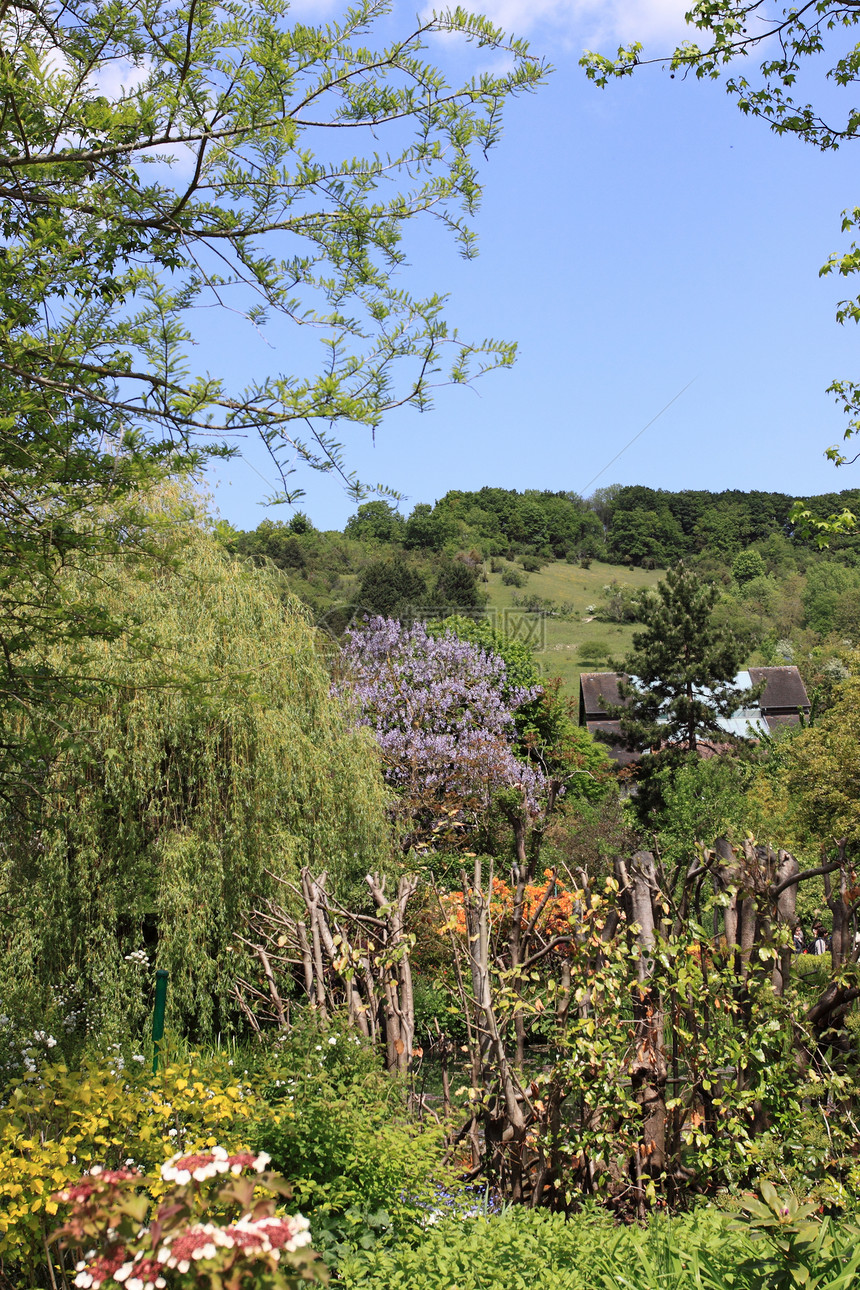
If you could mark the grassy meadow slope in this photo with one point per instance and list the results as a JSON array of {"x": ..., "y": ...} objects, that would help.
[{"x": 569, "y": 584}]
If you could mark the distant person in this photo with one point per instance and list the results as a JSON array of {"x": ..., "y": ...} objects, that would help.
[
  {"x": 819, "y": 945},
  {"x": 799, "y": 939}
]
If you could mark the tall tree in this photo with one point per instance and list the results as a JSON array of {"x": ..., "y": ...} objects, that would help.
[
  {"x": 443, "y": 715},
  {"x": 158, "y": 158},
  {"x": 681, "y": 667},
  {"x": 456, "y": 588},
  {"x": 174, "y": 807},
  {"x": 392, "y": 588},
  {"x": 376, "y": 521}
]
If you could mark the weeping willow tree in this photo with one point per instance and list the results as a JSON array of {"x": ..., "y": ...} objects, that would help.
[{"x": 212, "y": 761}]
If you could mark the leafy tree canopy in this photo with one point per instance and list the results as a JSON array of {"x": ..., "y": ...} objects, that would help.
[
  {"x": 392, "y": 588},
  {"x": 124, "y": 209},
  {"x": 427, "y": 529},
  {"x": 811, "y": 786},
  {"x": 375, "y": 521},
  {"x": 457, "y": 587},
  {"x": 443, "y": 715},
  {"x": 747, "y": 565},
  {"x": 157, "y": 161},
  {"x": 644, "y": 537},
  {"x": 547, "y": 727}
]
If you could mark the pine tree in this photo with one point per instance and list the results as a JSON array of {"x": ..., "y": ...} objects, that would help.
[
  {"x": 457, "y": 587},
  {"x": 391, "y": 588},
  {"x": 681, "y": 668}
]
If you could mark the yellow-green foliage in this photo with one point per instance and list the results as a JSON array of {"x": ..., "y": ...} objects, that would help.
[
  {"x": 808, "y": 791},
  {"x": 214, "y": 762},
  {"x": 55, "y": 1126},
  {"x": 823, "y": 768}
]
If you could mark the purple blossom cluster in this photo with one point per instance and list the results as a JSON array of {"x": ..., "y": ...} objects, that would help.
[{"x": 437, "y": 709}]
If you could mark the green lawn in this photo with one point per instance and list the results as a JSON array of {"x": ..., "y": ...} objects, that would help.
[{"x": 564, "y": 637}]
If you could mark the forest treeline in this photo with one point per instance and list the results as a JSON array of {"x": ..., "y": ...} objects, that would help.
[
  {"x": 786, "y": 598},
  {"x": 623, "y": 524}
]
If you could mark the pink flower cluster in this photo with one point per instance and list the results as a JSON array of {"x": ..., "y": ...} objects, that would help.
[
  {"x": 143, "y": 1264},
  {"x": 252, "y": 1236},
  {"x": 141, "y": 1274},
  {"x": 100, "y": 1268},
  {"x": 208, "y": 1164},
  {"x": 95, "y": 1180},
  {"x": 137, "y": 1273}
]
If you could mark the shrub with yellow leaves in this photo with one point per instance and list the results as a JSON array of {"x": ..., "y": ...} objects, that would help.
[{"x": 59, "y": 1122}]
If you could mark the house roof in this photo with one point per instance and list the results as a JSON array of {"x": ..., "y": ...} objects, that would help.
[
  {"x": 784, "y": 690},
  {"x": 615, "y": 747},
  {"x": 784, "y": 697},
  {"x": 594, "y": 686}
]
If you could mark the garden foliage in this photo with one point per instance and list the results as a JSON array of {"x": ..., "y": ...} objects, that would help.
[
  {"x": 705, "y": 1250},
  {"x": 216, "y": 1226},
  {"x": 213, "y": 760},
  {"x": 58, "y": 1124}
]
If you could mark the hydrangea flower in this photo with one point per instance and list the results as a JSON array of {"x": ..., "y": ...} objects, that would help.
[{"x": 207, "y": 1164}]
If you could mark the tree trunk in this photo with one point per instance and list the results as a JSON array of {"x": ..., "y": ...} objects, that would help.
[
  {"x": 648, "y": 1070},
  {"x": 786, "y": 912}
]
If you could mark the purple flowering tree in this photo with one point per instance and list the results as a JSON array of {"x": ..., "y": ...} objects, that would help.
[{"x": 436, "y": 707}]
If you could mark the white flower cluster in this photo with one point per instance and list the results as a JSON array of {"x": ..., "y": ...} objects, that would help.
[
  {"x": 271, "y": 1234},
  {"x": 72, "y": 1007},
  {"x": 208, "y": 1164},
  {"x": 156, "y": 1282},
  {"x": 142, "y": 1274}
]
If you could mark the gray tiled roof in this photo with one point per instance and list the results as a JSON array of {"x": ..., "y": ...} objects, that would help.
[{"x": 780, "y": 703}]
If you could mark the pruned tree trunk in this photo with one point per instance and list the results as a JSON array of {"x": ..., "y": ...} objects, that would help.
[
  {"x": 648, "y": 1070},
  {"x": 786, "y": 912},
  {"x": 353, "y": 961},
  {"x": 395, "y": 973}
]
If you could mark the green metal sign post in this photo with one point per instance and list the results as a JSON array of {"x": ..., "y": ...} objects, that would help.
[{"x": 158, "y": 1014}]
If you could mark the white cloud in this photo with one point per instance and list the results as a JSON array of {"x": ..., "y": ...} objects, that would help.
[
  {"x": 120, "y": 77},
  {"x": 590, "y": 23}
]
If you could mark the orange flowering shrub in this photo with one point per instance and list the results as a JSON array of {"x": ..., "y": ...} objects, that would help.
[{"x": 558, "y": 908}]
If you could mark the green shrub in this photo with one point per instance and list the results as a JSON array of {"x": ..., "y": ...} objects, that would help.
[
  {"x": 703, "y": 1250},
  {"x": 523, "y": 1248},
  {"x": 513, "y": 578},
  {"x": 361, "y": 1169},
  {"x": 595, "y": 651},
  {"x": 517, "y": 1249},
  {"x": 793, "y": 1247},
  {"x": 747, "y": 565},
  {"x": 229, "y": 1231},
  {"x": 58, "y": 1123}
]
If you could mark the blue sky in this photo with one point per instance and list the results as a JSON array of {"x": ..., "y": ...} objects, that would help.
[{"x": 632, "y": 240}]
